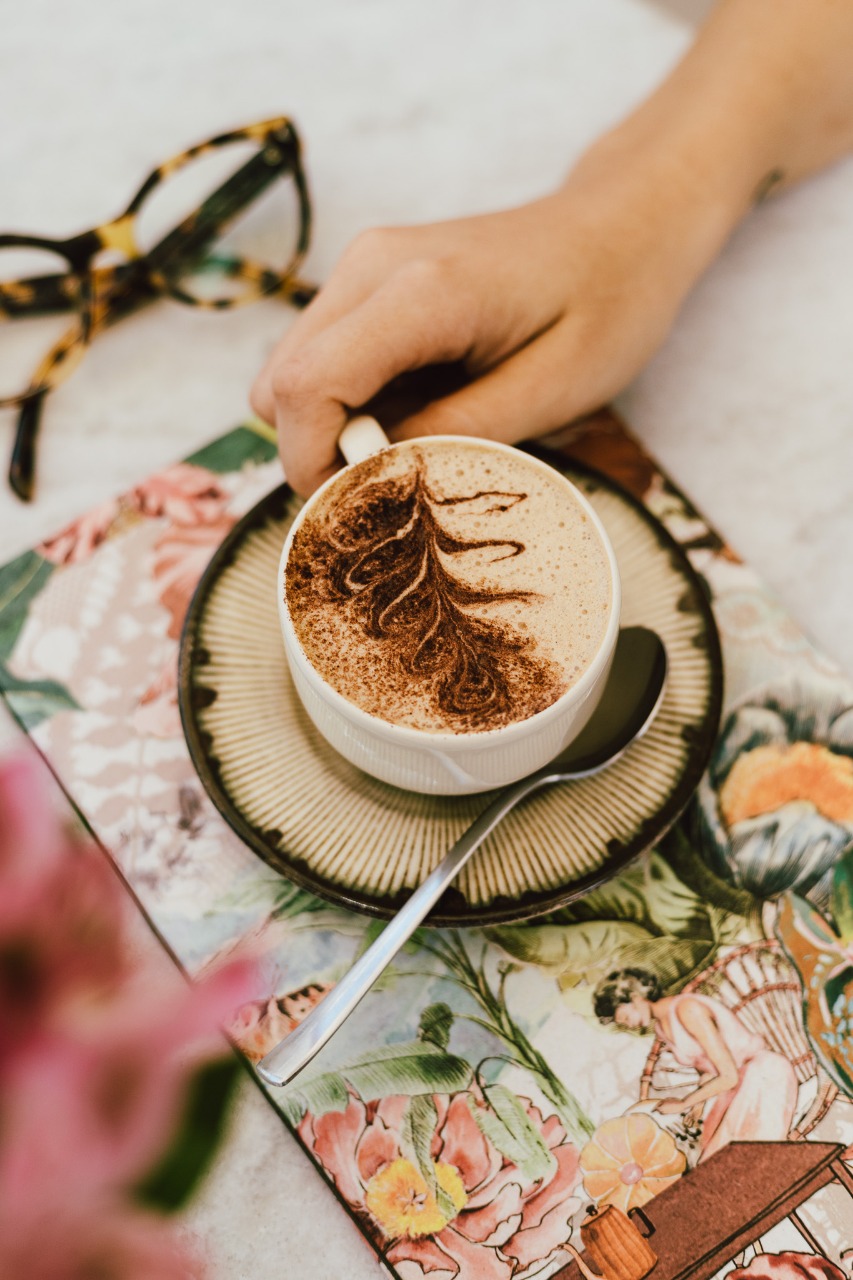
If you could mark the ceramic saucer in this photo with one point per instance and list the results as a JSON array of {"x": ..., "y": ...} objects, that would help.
[{"x": 365, "y": 845}]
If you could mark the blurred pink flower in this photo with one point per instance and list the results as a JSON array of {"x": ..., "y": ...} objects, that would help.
[
  {"x": 503, "y": 1224},
  {"x": 95, "y": 1055},
  {"x": 60, "y": 915},
  {"x": 106, "y": 1240}
]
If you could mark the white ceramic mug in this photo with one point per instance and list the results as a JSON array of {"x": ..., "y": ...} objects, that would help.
[{"x": 444, "y": 763}]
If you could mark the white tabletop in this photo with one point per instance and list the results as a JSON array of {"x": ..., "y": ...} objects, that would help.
[{"x": 411, "y": 112}]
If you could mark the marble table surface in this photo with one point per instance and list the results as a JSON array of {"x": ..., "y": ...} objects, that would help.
[{"x": 412, "y": 112}]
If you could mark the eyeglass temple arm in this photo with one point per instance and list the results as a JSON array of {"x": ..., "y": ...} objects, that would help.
[
  {"x": 119, "y": 290},
  {"x": 22, "y": 460},
  {"x": 66, "y": 353}
]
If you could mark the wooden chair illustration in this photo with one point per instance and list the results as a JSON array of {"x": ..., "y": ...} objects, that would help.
[{"x": 756, "y": 982}]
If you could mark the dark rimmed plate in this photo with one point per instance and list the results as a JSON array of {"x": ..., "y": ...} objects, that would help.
[{"x": 365, "y": 845}]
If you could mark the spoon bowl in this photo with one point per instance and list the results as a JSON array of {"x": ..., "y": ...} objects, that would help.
[{"x": 628, "y": 705}]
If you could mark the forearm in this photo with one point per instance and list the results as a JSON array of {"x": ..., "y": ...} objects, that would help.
[
  {"x": 711, "y": 1088},
  {"x": 762, "y": 99},
  {"x": 768, "y": 88}
]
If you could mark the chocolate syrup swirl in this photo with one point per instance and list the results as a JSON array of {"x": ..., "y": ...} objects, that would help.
[{"x": 383, "y": 548}]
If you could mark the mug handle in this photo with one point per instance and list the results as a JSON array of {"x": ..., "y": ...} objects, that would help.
[
  {"x": 361, "y": 437},
  {"x": 644, "y": 1219}
]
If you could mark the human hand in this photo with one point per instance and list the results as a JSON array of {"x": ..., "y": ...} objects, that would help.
[
  {"x": 694, "y": 1116},
  {"x": 549, "y": 309},
  {"x": 672, "y": 1106}
]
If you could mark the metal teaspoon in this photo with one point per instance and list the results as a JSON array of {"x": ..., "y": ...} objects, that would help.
[{"x": 631, "y": 698}]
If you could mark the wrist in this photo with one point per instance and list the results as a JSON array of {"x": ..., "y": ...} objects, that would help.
[
  {"x": 672, "y": 187},
  {"x": 763, "y": 96}
]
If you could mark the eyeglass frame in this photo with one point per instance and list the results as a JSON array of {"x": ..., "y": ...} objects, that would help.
[{"x": 104, "y": 294}]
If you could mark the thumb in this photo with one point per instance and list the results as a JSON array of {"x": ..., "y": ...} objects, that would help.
[{"x": 538, "y": 388}]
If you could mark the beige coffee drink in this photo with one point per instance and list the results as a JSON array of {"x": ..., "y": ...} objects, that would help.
[{"x": 449, "y": 587}]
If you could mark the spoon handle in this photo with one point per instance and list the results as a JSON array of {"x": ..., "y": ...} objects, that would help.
[
  {"x": 293, "y": 1053},
  {"x": 631, "y": 700}
]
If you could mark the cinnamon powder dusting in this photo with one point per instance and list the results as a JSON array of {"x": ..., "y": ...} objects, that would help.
[{"x": 386, "y": 617}]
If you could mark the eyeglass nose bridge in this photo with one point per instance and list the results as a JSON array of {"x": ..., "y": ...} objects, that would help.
[{"x": 119, "y": 236}]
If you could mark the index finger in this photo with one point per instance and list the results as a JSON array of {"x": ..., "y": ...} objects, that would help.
[{"x": 418, "y": 317}]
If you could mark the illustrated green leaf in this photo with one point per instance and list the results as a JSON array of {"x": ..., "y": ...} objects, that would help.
[
  {"x": 319, "y": 1094},
  {"x": 232, "y": 451},
  {"x": 692, "y": 870},
  {"x": 293, "y": 1106},
  {"x": 414, "y": 1067},
  {"x": 436, "y": 1021},
  {"x": 673, "y": 907},
  {"x": 586, "y": 953},
  {"x": 842, "y": 895},
  {"x": 416, "y": 1134},
  {"x": 398, "y": 1069},
  {"x": 291, "y": 901},
  {"x": 369, "y": 932},
  {"x": 21, "y": 580},
  {"x": 171, "y": 1182},
  {"x": 622, "y": 899},
  {"x": 281, "y": 898},
  {"x": 33, "y": 701},
  {"x": 673, "y": 961},
  {"x": 511, "y": 1131},
  {"x": 649, "y": 894},
  {"x": 575, "y": 952}
]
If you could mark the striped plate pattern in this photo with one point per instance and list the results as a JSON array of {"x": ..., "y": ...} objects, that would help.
[{"x": 366, "y": 845}]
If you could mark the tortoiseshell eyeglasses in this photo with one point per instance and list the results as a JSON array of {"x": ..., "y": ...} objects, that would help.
[{"x": 214, "y": 227}]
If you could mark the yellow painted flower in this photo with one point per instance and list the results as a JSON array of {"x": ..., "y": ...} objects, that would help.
[
  {"x": 402, "y": 1204},
  {"x": 776, "y": 803},
  {"x": 629, "y": 1160},
  {"x": 767, "y": 777}
]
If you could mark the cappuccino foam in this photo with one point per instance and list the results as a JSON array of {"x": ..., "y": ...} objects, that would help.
[{"x": 449, "y": 587}]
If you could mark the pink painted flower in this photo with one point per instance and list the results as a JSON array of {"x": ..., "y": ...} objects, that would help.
[
  {"x": 180, "y": 558},
  {"x": 185, "y": 494},
  {"x": 157, "y": 714},
  {"x": 788, "y": 1266},
  {"x": 500, "y": 1223},
  {"x": 78, "y": 540},
  {"x": 260, "y": 1024}
]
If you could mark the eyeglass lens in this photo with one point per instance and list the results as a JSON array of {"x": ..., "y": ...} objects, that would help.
[{"x": 262, "y": 235}]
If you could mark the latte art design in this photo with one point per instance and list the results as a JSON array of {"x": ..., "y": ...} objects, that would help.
[
  {"x": 391, "y": 554},
  {"x": 403, "y": 602}
]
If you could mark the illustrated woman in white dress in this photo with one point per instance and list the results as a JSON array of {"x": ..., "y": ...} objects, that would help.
[{"x": 746, "y": 1091}]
